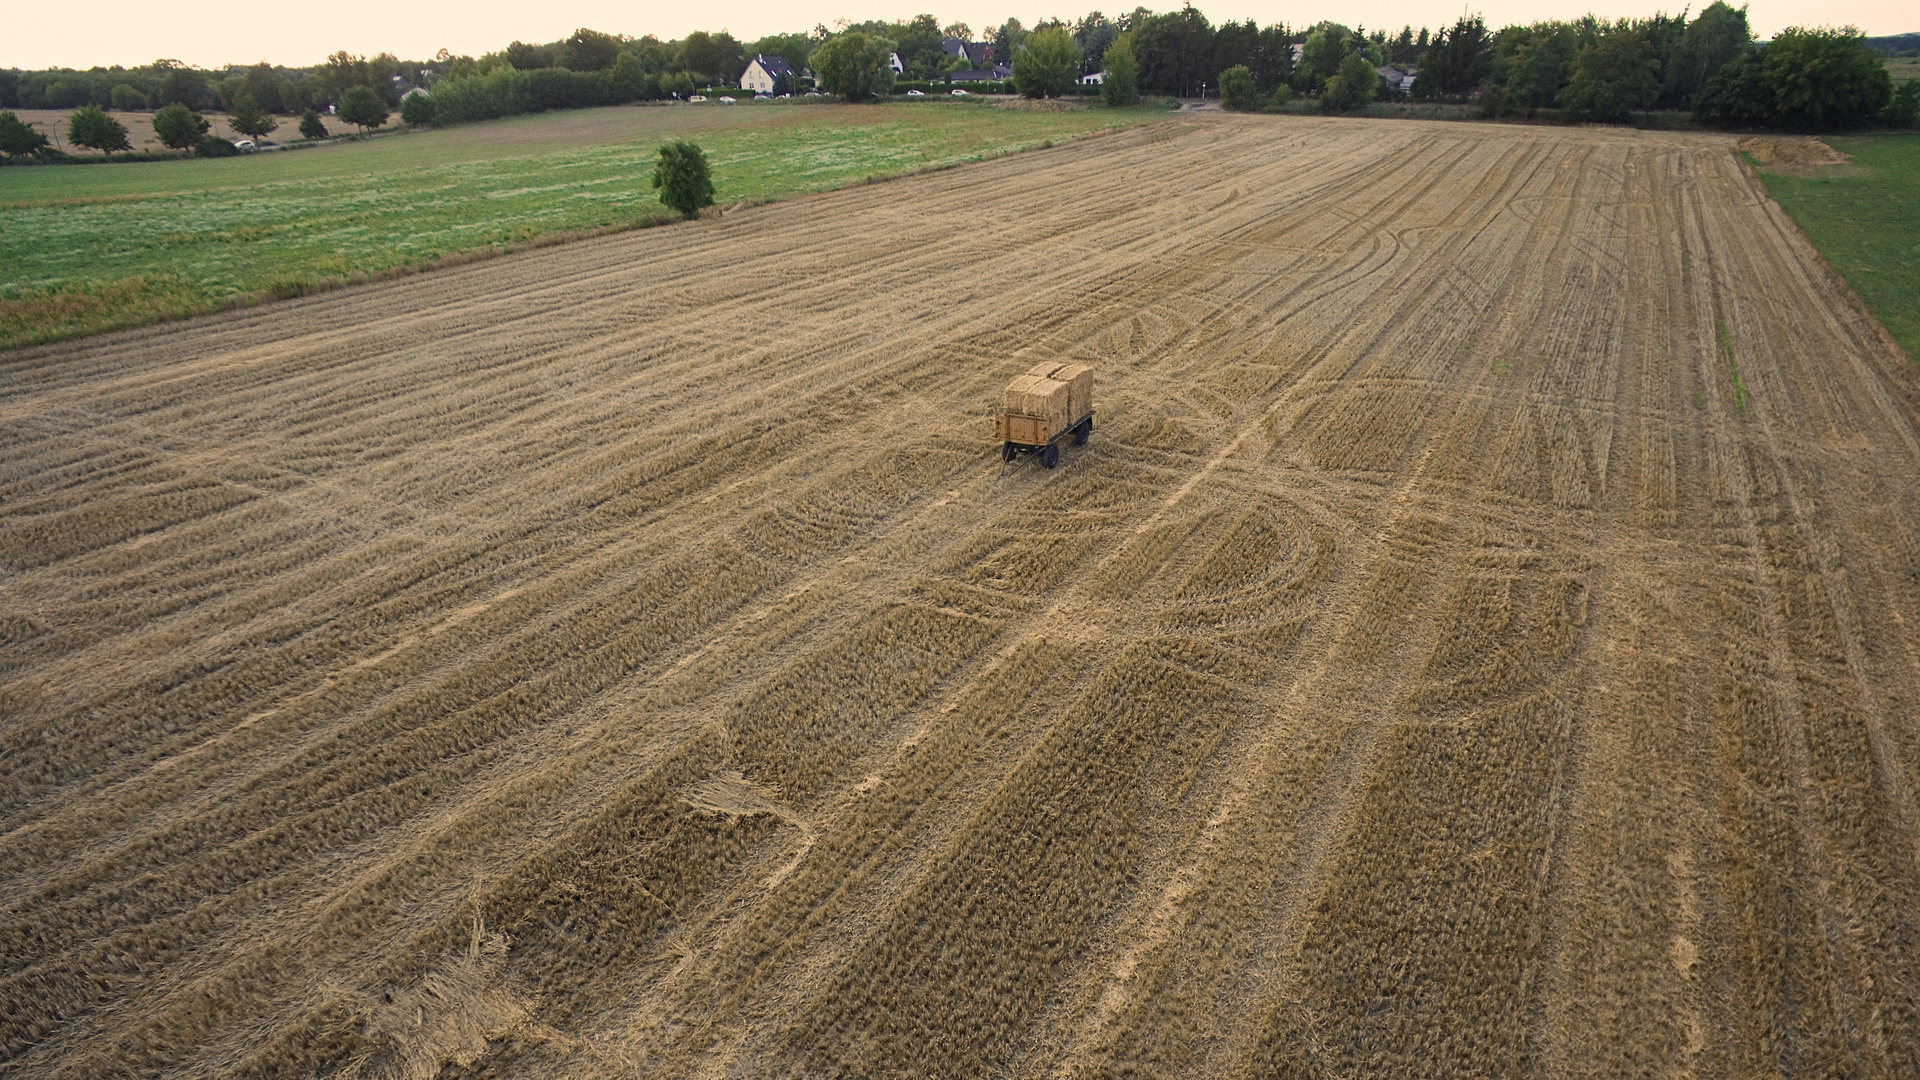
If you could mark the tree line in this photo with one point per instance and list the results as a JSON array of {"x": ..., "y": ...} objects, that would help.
[{"x": 1584, "y": 69}]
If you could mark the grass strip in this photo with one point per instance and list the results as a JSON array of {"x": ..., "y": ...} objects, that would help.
[{"x": 1864, "y": 218}]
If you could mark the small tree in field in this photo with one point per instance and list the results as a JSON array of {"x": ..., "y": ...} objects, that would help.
[
  {"x": 179, "y": 127},
  {"x": 1121, "y": 84},
  {"x": 682, "y": 177},
  {"x": 311, "y": 127},
  {"x": 247, "y": 119},
  {"x": 417, "y": 109},
  {"x": 91, "y": 127},
  {"x": 363, "y": 108}
]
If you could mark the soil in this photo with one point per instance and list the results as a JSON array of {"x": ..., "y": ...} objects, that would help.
[{"x": 1478, "y": 639}]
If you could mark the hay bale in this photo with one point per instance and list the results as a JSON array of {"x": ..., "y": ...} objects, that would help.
[{"x": 1017, "y": 390}]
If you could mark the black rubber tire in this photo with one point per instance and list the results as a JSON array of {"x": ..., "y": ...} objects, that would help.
[
  {"x": 1051, "y": 455},
  {"x": 1080, "y": 433},
  {"x": 1007, "y": 452}
]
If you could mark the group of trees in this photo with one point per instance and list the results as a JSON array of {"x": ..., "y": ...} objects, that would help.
[
  {"x": 272, "y": 90},
  {"x": 1588, "y": 69}
]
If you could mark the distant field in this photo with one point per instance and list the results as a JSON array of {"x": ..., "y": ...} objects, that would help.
[
  {"x": 1865, "y": 218},
  {"x": 97, "y": 247},
  {"x": 1904, "y": 68}
]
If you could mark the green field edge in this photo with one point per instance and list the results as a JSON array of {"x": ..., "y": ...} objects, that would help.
[
  {"x": 1853, "y": 238},
  {"x": 150, "y": 300}
]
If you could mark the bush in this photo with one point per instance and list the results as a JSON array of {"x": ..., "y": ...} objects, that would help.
[
  {"x": 127, "y": 99},
  {"x": 417, "y": 109},
  {"x": 682, "y": 178},
  {"x": 1904, "y": 108},
  {"x": 1237, "y": 92},
  {"x": 178, "y": 127},
  {"x": 311, "y": 127},
  {"x": 215, "y": 146}
]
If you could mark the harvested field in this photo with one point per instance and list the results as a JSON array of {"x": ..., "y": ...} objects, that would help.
[{"x": 1479, "y": 639}]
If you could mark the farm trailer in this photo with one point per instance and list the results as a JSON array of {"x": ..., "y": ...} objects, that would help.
[{"x": 1043, "y": 407}]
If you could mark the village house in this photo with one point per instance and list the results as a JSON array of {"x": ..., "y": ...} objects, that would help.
[{"x": 764, "y": 74}]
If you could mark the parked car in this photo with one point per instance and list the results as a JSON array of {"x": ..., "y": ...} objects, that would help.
[
  {"x": 961, "y": 93},
  {"x": 245, "y": 146},
  {"x": 915, "y": 93},
  {"x": 727, "y": 101},
  {"x": 763, "y": 97}
]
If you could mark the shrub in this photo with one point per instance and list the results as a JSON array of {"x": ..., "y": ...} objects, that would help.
[
  {"x": 215, "y": 146},
  {"x": 417, "y": 109},
  {"x": 683, "y": 180},
  {"x": 127, "y": 99},
  {"x": 178, "y": 127},
  {"x": 311, "y": 127},
  {"x": 1237, "y": 91},
  {"x": 1904, "y": 108}
]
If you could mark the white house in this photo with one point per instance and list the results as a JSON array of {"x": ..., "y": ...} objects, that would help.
[
  {"x": 764, "y": 73},
  {"x": 1094, "y": 79},
  {"x": 893, "y": 61}
]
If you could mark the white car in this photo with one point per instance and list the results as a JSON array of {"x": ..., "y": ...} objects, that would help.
[
  {"x": 728, "y": 101},
  {"x": 961, "y": 93},
  {"x": 698, "y": 97},
  {"x": 245, "y": 146},
  {"x": 763, "y": 97},
  {"x": 915, "y": 93}
]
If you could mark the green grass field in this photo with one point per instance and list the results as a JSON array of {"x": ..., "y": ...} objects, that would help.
[
  {"x": 90, "y": 248},
  {"x": 1866, "y": 220}
]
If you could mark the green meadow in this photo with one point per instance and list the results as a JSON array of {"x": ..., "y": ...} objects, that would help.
[
  {"x": 1864, "y": 217},
  {"x": 95, "y": 247}
]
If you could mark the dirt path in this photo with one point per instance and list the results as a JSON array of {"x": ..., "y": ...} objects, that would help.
[{"x": 1478, "y": 640}]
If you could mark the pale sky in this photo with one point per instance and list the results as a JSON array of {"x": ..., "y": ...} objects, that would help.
[{"x": 220, "y": 32}]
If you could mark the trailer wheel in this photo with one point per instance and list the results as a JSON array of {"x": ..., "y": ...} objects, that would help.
[
  {"x": 1051, "y": 455},
  {"x": 1080, "y": 433},
  {"x": 1007, "y": 452}
]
